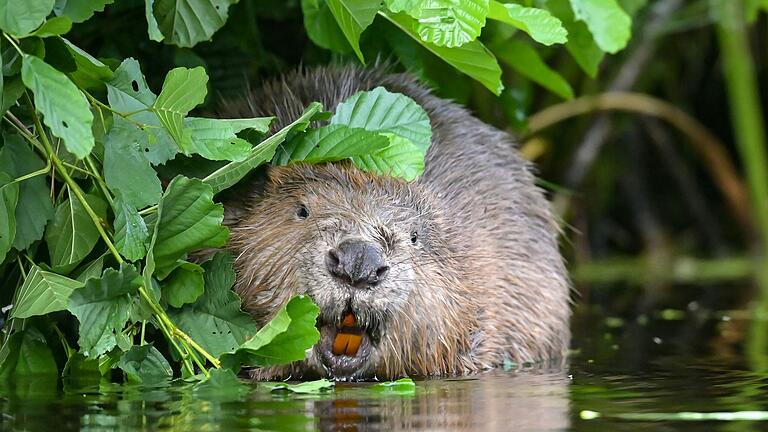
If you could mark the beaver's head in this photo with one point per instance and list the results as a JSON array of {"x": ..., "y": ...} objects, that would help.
[{"x": 376, "y": 256}]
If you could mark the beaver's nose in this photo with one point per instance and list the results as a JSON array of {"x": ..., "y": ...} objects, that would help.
[{"x": 357, "y": 262}]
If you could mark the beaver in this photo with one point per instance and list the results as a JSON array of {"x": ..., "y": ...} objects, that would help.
[{"x": 455, "y": 272}]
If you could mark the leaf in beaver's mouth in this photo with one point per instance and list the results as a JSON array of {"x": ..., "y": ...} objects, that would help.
[{"x": 283, "y": 340}]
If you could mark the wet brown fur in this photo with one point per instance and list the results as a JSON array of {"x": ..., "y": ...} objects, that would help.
[{"x": 487, "y": 283}]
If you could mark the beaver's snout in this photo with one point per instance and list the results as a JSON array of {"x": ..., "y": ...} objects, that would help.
[{"x": 357, "y": 262}]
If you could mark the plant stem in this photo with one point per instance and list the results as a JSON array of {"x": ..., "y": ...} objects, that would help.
[
  {"x": 100, "y": 181},
  {"x": 13, "y": 42},
  {"x": 101, "y": 104}
]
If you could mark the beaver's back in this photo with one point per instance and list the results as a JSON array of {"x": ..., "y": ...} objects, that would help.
[{"x": 507, "y": 234}]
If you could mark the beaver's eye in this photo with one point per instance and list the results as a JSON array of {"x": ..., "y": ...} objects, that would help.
[
  {"x": 302, "y": 211},
  {"x": 414, "y": 237}
]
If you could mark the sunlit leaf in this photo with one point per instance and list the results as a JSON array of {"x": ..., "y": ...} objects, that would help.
[
  {"x": 183, "y": 90},
  {"x": 309, "y": 387},
  {"x": 353, "y": 17},
  {"x": 65, "y": 110},
  {"x": 401, "y": 158},
  {"x": 330, "y": 143},
  {"x": 538, "y": 23},
  {"x": 449, "y": 23},
  {"x": 581, "y": 45},
  {"x": 609, "y": 24}
]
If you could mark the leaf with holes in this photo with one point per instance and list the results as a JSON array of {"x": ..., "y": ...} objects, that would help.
[
  {"x": 43, "y": 292},
  {"x": 285, "y": 339},
  {"x": 127, "y": 169},
  {"x": 184, "y": 23},
  {"x": 183, "y": 90},
  {"x": 64, "y": 107},
  {"x": 379, "y": 110},
  {"x": 19, "y": 17},
  {"x": 102, "y": 307},
  {"x": 402, "y": 158},
  {"x": 232, "y": 172},
  {"x": 472, "y": 59},
  {"x": 131, "y": 232},
  {"x": 449, "y": 23},
  {"x": 538, "y": 23},
  {"x": 330, "y": 143},
  {"x": 215, "y": 320},
  {"x": 72, "y": 235},
  {"x": 353, "y": 17}
]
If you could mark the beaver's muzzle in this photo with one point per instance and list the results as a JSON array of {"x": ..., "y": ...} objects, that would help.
[{"x": 356, "y": 262}]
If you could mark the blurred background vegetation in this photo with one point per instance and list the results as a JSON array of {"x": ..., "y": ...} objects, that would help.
[{"x": 655, "y": 158}]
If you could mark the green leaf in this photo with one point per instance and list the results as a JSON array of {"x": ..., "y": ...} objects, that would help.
[
  {"x": 145, "y": 364},
  {"x": 402, "y": 159},
  {"x": 53, "y": 27},
  {"x": 309, "y": 387},
  {"x": 9, "y": 195},
  {"x": 188, "y": 220},
  {"x": 184, "y": 23},
  {"x": 330, "y": 143},
  {"x": 131, "y": 232},
  {"x": 12, "y": 90},
  {"x": 232, "y": 172},
  {"x": 525, "y": 59},
  {"x": 403, "y": 386},
  {"x": 538, "y": 23},
  {"x": 449, "y": 23},
  {"x": 221, "y": 385},
  {"x": 183, "y": 90},
  {"x": 126, "y": 169},
  {"x": 34, "y": 207},
  {"x": 472, "y": 58},
  {"x": 581, "y": 45},
  {"x": 128, "y": 92},
  {"x": 215, "y": 139},
  {"x": 71, "y": 235},
  {"x": 184, "y": 285},
  {"x": 609, "y": 24},
  {"x": 42, "y": 293},
  {"x": 80, "y": 10},
  {"x": 65, "y": 110},
  {"x": 19, "y": 17},
  {"x": 378, "y": 110},
  {"x": 321, "y": 26},
  {"x": 89, "y": 72},
  {"x": 102, "y": 307},
  {"x": 91, "y": 270},
  {"x": 353, "y": 17},
  {"x": 402, "y": 5},
  {"x": 215, "y": 320},
  {"x": 283, "y": 340},
  {"x": 153, "y": 30},
  {"x": 27, "y": 354}
]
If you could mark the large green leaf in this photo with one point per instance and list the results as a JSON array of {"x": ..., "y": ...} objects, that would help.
[
  {"x": 27, "y": 354},
  {"x": 102, "y": 307},
  {"x": 609, "y": 24},
  {"x": 472, "y": 58},
  {"x": 538, "y": 23},
  {"x": 64, "y": 107},
  {"x": 145, "y": 364},
  {"x": 43, "y": 292},
  {"x": 9, "y": 195},
  {"x": 285, "y": 339},
  {"x": 184, "y": 285},
  {"x": 525, "y": 59},
  {"x": 215, "y": 320},
  {"x": 128, "y": 92},
  {"x": 56, "y": 26},
  {"x": 186, "y": 22},
  {"x": 131, "y": 232},
  {"x": 72, "y": 235},
  {"x": 402, "y": 158},
  {"x": 353, "y": 17},
  {"x": 321, "y": 26},
  {"x": 378, "y": 110},
  {"x": 34, "y": 207},
  {"x": 449, "y": 23},
  {"x": 19, "y": 17},
  {"x": 232, "y": 172},
  {"x": 126, "y": 169},
  {"x": 80, "y": 10},
  {"x": 581, "y": 45},
  {"x": 215, "y": 139},
  {"x": 183, "y": 90},
  {"x": 188, "y": 220},
  {"x": 330, "y": 143}
]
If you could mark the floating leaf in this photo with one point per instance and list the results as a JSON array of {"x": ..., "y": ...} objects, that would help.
[
  {"x": 43, "y": 292},
  {"x": 330, "y": 143},
  {"x": 131, "y": 232},
  {"x": 379, "y": 110},
  {"x": 284, "y": 339},
  {"x": 353, "y": 17},
  {"x": 64, "y": 107},
  {"x": 20, "y": 17},
  {"x": 144, "y": 364},
  {"x": 215, "y": 320},
  {"x": 102, "y": 307},
  {"x": 403, "y": 386},
  {"x": 309, "y": 387},
  {"x": 538, "y": 23}
]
